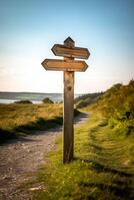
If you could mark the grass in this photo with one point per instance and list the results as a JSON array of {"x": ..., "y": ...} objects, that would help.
[
  {"x": 18, "y": 119},
  {"x": 22, "y": 119},
  {"x": 103, "y": 167}
]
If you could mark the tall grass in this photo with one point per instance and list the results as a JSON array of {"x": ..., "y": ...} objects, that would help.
[
  {"x": 23, "y": 119},
  {"x": 117, "y": 105},
  {"x": 16, "y": 119}
]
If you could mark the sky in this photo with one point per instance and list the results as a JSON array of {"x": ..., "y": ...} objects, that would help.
[{"x": 29, "y": 29}]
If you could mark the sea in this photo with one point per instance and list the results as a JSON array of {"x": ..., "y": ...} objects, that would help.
[{"x": 36, "y": 98}]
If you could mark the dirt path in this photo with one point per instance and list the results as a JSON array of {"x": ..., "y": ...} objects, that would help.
[{"x": 20, "y": 161}]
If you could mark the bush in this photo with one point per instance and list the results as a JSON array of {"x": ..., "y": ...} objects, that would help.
[
  {"x": 47, "y": 100},
  {"x": 23, "y": 102},
  {"x": 117, "y": 105}
]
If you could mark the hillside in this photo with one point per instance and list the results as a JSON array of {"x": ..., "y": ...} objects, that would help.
[
  {"x": 87, "y": 99},
  {"x": 117, "y": 105}
]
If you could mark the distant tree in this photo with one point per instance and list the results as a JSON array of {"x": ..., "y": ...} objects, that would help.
[
  {"x": 23, "y": 102},
  {"x": 47, "y": 100}
]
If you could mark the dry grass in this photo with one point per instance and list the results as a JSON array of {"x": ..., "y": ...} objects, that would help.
[{"x": 17, "y": 118}]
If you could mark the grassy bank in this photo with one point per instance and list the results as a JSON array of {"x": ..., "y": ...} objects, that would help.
[
  {"x": 21, "y": 119},
  {"x": 103, "y": 167}
]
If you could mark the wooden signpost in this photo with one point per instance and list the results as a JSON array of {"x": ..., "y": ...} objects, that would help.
[{"x": 69, "y": 66}]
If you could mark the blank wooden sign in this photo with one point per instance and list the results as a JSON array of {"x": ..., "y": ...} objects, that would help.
[{"x": 63, "y": 65}]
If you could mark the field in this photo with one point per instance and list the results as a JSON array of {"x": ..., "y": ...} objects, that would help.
[
  {"x": 22, "y": 119},
  {"x": 103, "y": 167}
]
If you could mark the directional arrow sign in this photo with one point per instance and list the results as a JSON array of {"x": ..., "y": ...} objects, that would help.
[
  {"x": 74, "y": 52},
  {"x": 63, "y": 65}
]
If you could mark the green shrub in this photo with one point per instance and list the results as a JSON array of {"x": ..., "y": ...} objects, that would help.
[
  {"x": 23, "y": 102},
  {"x": 47, "y": 100},
  {"x": 117, "y": 105}
]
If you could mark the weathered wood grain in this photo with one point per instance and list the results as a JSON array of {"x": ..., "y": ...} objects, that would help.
[
  {"x": 63, "y": 65},
  {"x": 68, "y": 146},
  {"x": 76, "y": 52}
]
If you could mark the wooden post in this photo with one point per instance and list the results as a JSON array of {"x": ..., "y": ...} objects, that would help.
[
  {"x": 68, "y": 117},
  {"x": 68, "y": 130},
  {"x": 69, "y": 66}
]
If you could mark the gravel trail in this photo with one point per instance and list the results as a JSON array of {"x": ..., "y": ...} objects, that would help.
[{"x": 20, "y": 161}]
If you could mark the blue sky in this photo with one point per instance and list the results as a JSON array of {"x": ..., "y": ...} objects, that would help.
[{"x": 29, "y": 29}]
